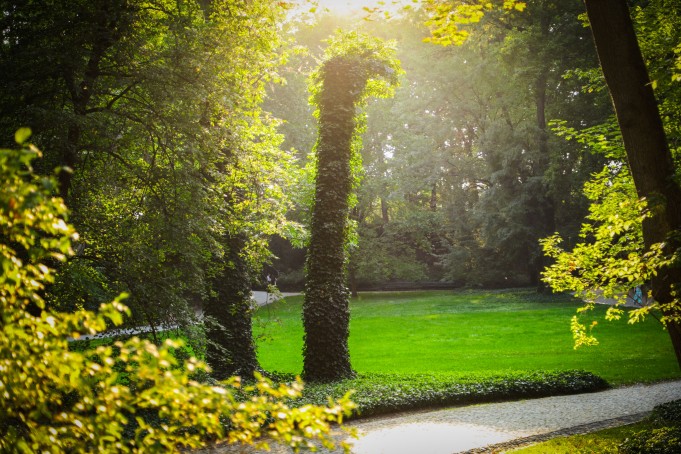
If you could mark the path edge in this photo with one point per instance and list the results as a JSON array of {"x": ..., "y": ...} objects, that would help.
[{"x": 574, "y": 430}]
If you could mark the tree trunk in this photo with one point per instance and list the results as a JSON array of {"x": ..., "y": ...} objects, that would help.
[
  {"x": 352, "y": 279},
  {"x": 433, "y": 198},
  {"x": 326, "y": 313},
  {"x": 645, "y": 142},
  {"x": 231, "y": 350},
  {"x": 81, "y": 92},
  {"x": 385, "y": 217},
  {"x": 544, "y": 210}
]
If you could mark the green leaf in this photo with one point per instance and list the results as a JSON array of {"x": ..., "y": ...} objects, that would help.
[{"x": 22, "y": 135}]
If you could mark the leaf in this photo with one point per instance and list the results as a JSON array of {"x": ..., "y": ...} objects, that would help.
[{"x": 22, "y": 135}]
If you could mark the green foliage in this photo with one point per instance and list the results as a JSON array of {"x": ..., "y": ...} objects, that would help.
[
  {"x": 662, "y": 440},
  {"x": 668, "y": 413},
  {"x": 156, "y": 109},
  {"x": 355, "y": 67},
  {"x": 610, "y": 258},
  {"x": 447, "y": 17},
  {"x": 374, "y": 69},
  {"x": 375, "y": 64},
  {"x": 378, "y": 393},
  {"x": 131, "y": 396}
]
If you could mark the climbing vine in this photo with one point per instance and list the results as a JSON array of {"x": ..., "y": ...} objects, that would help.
[{"x": 355, "y": 67}]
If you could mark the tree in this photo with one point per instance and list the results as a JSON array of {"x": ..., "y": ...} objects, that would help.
[
  {"x": 477, "y": 159},
  {"x": 231, "y": 350},
  {"x": 457, "y": 185},
  {"x": 155, "y": 108},
  {"x": 645, "y": 142},
  {"x": 646, "y": 146},
  {"x": 355, "y": 67},
  {"x": 130, "y": 397}
]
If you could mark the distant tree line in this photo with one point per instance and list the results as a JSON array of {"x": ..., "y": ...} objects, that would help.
[{"x": 463, "y": 172}]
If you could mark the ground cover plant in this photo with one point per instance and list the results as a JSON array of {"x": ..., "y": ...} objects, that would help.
[
  {"x": 473, "y": 332},
  {"x": 379, "y": 393}
]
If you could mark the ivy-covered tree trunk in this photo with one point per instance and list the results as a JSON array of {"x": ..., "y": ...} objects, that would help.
[
  {"x": 326, "y": 315},
  {"x": 231, "y": 350},
  {"x": 645, "y": 142},
  {"x": 340, "y": 86}
]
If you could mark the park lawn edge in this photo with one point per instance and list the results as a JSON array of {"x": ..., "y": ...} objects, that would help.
[
  {"x": 385, "y": 393},
  {"x": 659, "y": 432}
]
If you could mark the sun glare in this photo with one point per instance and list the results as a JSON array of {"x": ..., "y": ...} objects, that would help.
[{"x": 352, "y": 7}]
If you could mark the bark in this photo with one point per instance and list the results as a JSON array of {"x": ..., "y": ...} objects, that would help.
[
  {"x": 81, "y": 91},
  {"x": 231, "y": 349},
  {"x": 544, "y": 213},
  {"x": 433, "y": 198},
  {"x": 326, "y": 314},
  {"x": 645, "y": 142},
  {"x": 543, "y": 216},
  {"x": 385, "y": 214},
  {"x": 352, "y": 279}
]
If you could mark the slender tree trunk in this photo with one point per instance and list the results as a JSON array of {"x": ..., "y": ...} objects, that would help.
[
  {"x": 326, "y": 313},
  {"x": 69, "y": 157},
  {"x": 352, "y": 280},
  {"x": 81, "y": 92},
  {"x": 433, "y": 198},
  {"x": 543, "y": 216},
  {"x": 385, "y": 215},
  {"x": 231, "y": 349},
  {"x": 645, "y": 142},
  {"x": 544, "y": 211}
]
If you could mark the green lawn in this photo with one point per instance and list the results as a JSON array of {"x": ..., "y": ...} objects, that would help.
[{"x": 472, "y": 332}]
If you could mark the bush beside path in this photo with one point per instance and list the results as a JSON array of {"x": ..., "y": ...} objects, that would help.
[
  {"x": 467, "y": 428},
  {"x": 497, "y": 426}
]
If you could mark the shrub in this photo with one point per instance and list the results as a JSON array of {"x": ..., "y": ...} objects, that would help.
[
  {"x": 662, "y": 440},
  {"x": 385, "y": 393},
  {"x": 668, "y": 413},
  {"x": 665, "y": 439},
  {"x": 56, "y": 400}
]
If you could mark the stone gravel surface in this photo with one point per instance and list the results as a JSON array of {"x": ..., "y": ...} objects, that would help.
[
  {"x": 491, "y": 427},
  {"x": 464, "y": 428}
]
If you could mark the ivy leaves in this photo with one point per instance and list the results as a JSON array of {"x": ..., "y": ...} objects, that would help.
[{"x": 354, "y": 67}]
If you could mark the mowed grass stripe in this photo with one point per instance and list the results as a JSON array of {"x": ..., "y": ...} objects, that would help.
[{"x": 473, "y": 332}]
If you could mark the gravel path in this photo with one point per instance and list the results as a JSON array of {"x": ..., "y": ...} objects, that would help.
[
  {"x": 465, "y": 428},
  {"x": 498, "y": 426}
]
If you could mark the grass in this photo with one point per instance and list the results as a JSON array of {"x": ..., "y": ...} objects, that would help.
[
  {"x": 475, "y": 333},
  {"x": 604, "y": 441}
]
